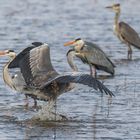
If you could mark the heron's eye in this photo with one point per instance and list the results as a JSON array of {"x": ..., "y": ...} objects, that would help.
[{"x": 8, "y": 52}]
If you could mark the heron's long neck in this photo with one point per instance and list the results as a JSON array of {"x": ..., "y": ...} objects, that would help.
[
  {"x": 70, "y": 56},
  {"x": 6, "y": 75},
  {"x": 116, "y": 21}
]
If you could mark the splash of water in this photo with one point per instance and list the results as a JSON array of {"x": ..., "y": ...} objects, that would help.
[{"x": 46, "y": 113}]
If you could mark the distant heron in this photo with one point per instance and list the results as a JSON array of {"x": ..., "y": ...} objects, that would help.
[
  {"x": 124, "y": 32},
  {"x": 90, "y": 54},
  {"x": 42, "y": 80}
]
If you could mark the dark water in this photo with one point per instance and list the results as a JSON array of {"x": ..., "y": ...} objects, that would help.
[{"x": 90, "y": 116}]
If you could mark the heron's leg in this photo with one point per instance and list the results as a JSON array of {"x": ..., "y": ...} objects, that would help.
[
  {"x": 26, "y": 102},
  {"x": 93, "y": 71},
  {"x": 35, "y": 104},
  {"x": 129, "y": 55}
]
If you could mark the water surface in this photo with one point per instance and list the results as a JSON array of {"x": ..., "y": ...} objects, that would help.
[{"x": 90, "y": 115}]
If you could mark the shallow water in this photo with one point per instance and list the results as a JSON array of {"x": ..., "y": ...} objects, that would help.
[{"x": 90, "y": 115}]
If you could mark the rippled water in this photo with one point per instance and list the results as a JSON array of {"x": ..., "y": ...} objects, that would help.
[{"x": 90, "y": 115}]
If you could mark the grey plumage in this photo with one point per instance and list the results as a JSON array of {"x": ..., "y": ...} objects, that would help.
[
  {"x": 47, "y": 84},
  {"x": 19, "y": 82},
  {"x": 124, "y": 31},
  {"x": 16, "y": 81},
  {"x": 81, "y": 79},
  {"x": 129, "y": 34},
  {"x": 90, "y": 54},
  {"x": 93, "y": 55},
  {"x": 70, "y": 59}
]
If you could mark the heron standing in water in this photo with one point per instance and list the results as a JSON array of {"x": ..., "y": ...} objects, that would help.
[
  {"x": 125, "y": 32},
  {"x": 16, "y": 81},
  {"x": 90, "y": 54},
  {"x": 42, "y": 80}
]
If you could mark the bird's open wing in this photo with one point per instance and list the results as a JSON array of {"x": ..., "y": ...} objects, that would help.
[
  {"x": 35, "y": 65},
  {"x": 129, "y": 34},
  {"x": 15, "y": 62},
  {"x": 80, "y": 78}
]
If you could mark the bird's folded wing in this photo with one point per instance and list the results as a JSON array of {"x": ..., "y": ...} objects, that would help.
[{"x": 129, "y": 34}]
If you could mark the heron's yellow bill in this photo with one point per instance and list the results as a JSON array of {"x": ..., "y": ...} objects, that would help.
[
  {"x": 2, "y": 53},
  {"x": 108, "y": 7},
  {"x": 113, "y": 6},
  {"x": 69, "y": 43}
]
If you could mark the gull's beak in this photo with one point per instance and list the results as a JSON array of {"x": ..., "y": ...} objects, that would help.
[
  {"x": 69, "y": 43},
  {"x": 109, "y": 7},
  {"x": 2, "y": 53}
]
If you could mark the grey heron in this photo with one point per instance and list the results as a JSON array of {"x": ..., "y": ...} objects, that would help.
[
  {"x": 125, "y": 32},
  {"x": 16, "y": 81},
  {"x": 90, "y": 54},
  {"x": 42, "y": 80}
]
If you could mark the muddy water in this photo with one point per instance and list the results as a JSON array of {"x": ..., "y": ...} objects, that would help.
[{"x": 90, "y": 115}]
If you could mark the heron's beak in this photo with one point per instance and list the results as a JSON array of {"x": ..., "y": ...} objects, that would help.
[
  {"x": 109, "y": 7},
  {"x": 69, "y": 43},
  {"x": 2, "y": 53}
]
